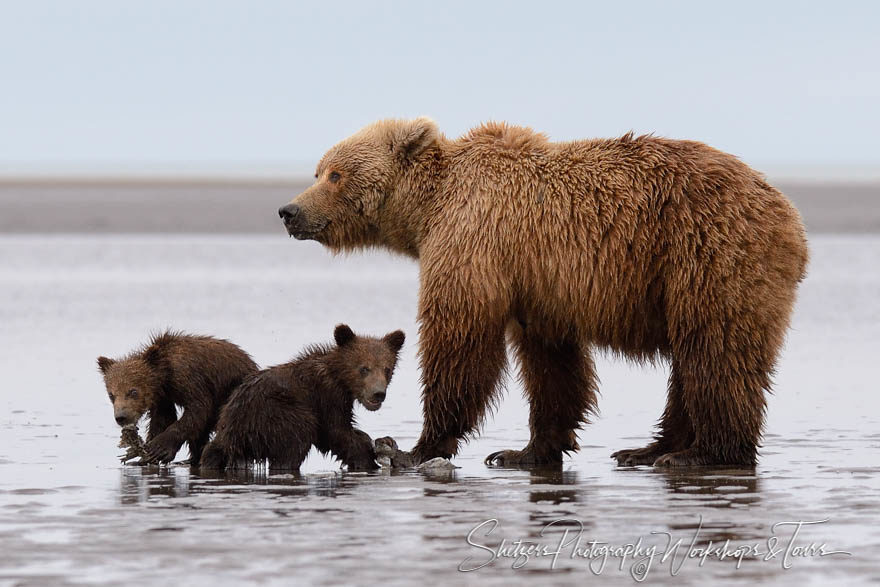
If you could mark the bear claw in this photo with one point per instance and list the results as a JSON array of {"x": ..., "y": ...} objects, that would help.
[
  {"x": 684, "y": 458},
  {"x": 513, "y": 458},
  {"x": 637, "y": 456}
]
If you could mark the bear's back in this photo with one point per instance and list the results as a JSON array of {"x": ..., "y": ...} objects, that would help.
[{"x": 202, "y": 365}]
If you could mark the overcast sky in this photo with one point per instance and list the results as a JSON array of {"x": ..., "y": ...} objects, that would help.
[{"x": 113, "y": 83}]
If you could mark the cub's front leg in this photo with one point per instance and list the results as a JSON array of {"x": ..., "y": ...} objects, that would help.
[
  {"x": 162, "y": 416},
  {"x": 189, "y": 428},
  {"x": 354, "y": 448}
]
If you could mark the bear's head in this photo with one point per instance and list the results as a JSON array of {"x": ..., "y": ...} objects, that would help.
[
  {"x": 133, "y": 384},
  {"x": 353, "y": 181},
  {"x": 366, "y": 364}
]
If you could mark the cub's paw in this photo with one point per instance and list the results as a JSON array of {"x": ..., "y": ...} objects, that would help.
[
  {"x": 389, "y": 455},
  {"x": 385, "y": 446},
  {"x": 161, "y": 449}
]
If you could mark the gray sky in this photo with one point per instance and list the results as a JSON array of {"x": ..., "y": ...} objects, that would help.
[{"x": 128, "y": 84}]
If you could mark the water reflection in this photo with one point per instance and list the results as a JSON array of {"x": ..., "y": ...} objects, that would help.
[
  {"x": 554, "y": 476},
  {"x": 717, "y": 488},
  {"x": 144, "y": 484},
  {"x": 141, "y": 484}
]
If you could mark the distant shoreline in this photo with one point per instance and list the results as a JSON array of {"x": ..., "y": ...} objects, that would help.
[{"x": 247, "y": 204}]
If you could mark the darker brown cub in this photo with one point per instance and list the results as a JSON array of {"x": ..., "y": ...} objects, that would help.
[
  {"x": 281, "y": 412},
  {"x": 196, "y": 373}
]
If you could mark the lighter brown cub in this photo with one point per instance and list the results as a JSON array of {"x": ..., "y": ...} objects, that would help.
[{"x": 196, "y": 373}]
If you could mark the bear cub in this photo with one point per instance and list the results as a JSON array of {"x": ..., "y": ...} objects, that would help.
[
  {"x": 281, "y": 412},
  {"x": 197, "y": 373}
]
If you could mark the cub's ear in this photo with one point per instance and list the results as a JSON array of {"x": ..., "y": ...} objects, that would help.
[
  {"x": 395, "y": 340},
  {"x": 410, "y": 137},
  {"x": 343, "y": 335},
  {"x": 152, "y": 355},
  {"x": 104, "y": 363}
]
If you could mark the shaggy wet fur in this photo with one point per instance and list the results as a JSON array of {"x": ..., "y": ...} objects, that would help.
[
  {"x": 196, "y": 373},
  {"x": 652, "y": 248},
  {"x": 281, "y": 412}
]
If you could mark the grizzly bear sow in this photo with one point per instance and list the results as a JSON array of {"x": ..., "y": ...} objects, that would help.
[
  {"x": 281, "y": 412},
  {"x": 196, "y": 373},
  {"x": 646, "y": 246}
]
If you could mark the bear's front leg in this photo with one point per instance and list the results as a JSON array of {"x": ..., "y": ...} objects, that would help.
[
  {"x": 560, "y": 383},
  {"x": 162, "y": 448},
  {"x": 354, "y": 448},
  {"x": 163, "y": 415},
  {"x": 189, "y": 428},
  {"x": 462, "y": 356}
]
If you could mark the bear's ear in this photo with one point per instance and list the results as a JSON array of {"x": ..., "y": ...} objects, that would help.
[
  {"x": 411, "y": 137},
  {"x": 395, "y": 340},
  {"x": 152, "y": 355},
  {"x": 104, "y": 363},
  {"x": 343, "y": 335}
]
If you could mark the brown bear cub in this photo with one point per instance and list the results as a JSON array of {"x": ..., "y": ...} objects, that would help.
[
  {"x": 197, "y": 373},
  {"x": 281, "y": 412}
]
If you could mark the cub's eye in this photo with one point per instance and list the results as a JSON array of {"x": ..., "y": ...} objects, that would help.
[
  {"x": 132, "y": 393},
  {"x": 111, "y": 396},
  {"x": 316, "y": 176},
  {"x": 364, "y": 371},
  {"x": 387, "y": 373},
  {"x": 334, "y": 177}
]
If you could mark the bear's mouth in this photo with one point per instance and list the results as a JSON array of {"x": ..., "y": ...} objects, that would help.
[
  {"x": 302, "y": 233},
  {"x": 371, "y": 405}
]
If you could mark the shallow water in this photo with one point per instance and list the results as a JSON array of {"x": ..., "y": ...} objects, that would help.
[{"x": 69, "y": 513}]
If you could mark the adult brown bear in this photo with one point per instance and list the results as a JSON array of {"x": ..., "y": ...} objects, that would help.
[{"x": 646, "y": 246}]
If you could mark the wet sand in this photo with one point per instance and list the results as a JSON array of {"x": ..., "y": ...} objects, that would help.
[
  {"x": 249, "y": 206},
  {"x": 69, "y": 513}
]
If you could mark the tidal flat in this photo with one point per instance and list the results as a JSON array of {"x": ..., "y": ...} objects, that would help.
[{"x": 71, "y": 514}]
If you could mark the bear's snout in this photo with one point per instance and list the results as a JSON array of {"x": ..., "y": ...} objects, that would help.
[
  {"x": 372, "y": 399},
  {"x": 300, "y": 225},
  {"x": 288, "y": 212},
  {"x": 123, "y": 418}
]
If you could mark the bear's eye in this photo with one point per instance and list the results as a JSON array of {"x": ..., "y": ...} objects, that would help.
[
  {"x": 334, "y": 177},
  {"x": 364, "y": 371},
  {"x": 132, "y": 393},
  {"x": 111, "y": 396}
]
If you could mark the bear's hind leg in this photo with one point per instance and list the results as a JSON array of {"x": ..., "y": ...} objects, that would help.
[
  {"x": 675, "y": 430},
  {"x": 723, "y": 378},
  {"x": 196, "y": 447},
  {"x": 289, "y": 461},
  {"x": 560, "y": 382}
]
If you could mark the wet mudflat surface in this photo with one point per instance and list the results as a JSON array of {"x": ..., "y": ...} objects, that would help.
[{"x": 69, "y": 513}]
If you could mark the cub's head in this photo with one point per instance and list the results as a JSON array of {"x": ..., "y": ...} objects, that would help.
[
  {"x": 367, "y": 363},
  {"x": 341, "y": 210},
  {"x": 132, "y": 385}
]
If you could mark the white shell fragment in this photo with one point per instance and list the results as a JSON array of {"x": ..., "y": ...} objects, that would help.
[{"x": 437, "y": 465}]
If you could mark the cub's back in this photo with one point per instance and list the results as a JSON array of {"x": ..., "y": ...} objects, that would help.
[{"x": 204, "y": 364}]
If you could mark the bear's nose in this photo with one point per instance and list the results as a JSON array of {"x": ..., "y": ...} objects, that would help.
[
  {"x": 121, "y": 420},
  {"x": 288, "y": 212},
  {"x": 379, "y": 397}
]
